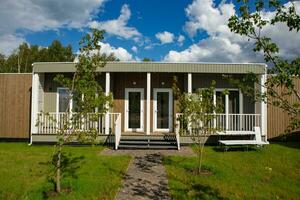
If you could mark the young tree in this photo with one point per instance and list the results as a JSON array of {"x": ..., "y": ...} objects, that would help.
[
  {"x": 251, "y": 25},
  {"x": 199, "y": 113},
  {"x": 90, "y": 100}
]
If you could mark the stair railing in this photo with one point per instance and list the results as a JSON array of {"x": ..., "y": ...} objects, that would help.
[
  {"x": 117, "y": 124},
  {"x": 177, "y": 129}
]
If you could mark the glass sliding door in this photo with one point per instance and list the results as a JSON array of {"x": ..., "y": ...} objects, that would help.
[
  {"x": 134, "y": 109},
  {"x": 163, "y": 109}
]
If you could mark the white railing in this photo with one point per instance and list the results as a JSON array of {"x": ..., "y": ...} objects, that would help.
[
  {"x": 177, "y": 128},
  {"x": 117, "y": 131},
  {"x": 226, "y": 124},
  {"x": 50, "y": 123}
]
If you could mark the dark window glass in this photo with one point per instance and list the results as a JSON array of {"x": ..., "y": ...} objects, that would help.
[
  {"x": 163, "y": 110},
  {"x": 234, "y": 104},
  {"x": 134, "y": 110}
]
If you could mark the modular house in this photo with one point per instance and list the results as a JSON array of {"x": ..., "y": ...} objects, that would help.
[{"x": 144, "y": 104}]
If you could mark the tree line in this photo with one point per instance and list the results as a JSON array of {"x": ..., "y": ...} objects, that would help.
[{"x": 21, "y": 59}]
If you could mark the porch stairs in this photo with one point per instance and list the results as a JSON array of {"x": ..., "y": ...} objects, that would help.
[{"x": 163, "y": 141}]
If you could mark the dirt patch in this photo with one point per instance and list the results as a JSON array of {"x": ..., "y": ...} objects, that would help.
[{"x": 52, "y": 194}]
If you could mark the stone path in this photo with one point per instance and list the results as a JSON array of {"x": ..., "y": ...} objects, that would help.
[{"x": 146, "y": 177}]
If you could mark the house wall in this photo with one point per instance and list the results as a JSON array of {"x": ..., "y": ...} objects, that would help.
[
  {"x": 15, "y": 98},
  {"x": 120, "y": 81},
  {"x": 205, "y": 80},
  {"x": 278, "y": 120},
  {"x": 126, "y": 80},
  {"x": 50, "y": 90}
]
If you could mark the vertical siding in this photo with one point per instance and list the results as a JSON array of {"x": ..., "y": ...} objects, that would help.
[
  {"x": 278, "y": 120},
  {"x": 15, "y": 93}
]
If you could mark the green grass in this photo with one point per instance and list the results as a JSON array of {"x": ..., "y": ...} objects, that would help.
[
  {"x": 22, "y": 176},
  {"x": 269, "y": 173}
]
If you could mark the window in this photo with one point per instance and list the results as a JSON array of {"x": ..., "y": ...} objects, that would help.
[
  {"x": 234, "y": 102},
  {"x": 230, "y": 102},
  {"x": 220, "y": 100},
  {"x": 63, "y": 97}
]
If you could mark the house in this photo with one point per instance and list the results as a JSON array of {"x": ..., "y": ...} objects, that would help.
[{"x": 144, "y": 105}]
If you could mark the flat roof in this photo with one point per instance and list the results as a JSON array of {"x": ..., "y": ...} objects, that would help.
[{"x": 175, "y": 67}]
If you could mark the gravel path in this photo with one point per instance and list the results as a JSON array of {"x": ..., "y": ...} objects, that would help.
[{"x": 146, "y": 176}]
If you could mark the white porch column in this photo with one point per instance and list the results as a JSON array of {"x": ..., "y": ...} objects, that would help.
[
  {"x": 34, "y": 102},
  {"x": 190, "y": 83},
  {"x": 263, "y": 107},
  {"x": 227, "y": 110},
  {"x": 107, "y": 90},
  {"x": 148, "y": 103},
  {"x": 241, "y": 109}
]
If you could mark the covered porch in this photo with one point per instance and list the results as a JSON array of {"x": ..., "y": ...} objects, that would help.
[{"x": 144, "y": 103}]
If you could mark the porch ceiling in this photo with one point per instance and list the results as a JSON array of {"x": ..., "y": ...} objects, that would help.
[{"x": 222, "y": 68}]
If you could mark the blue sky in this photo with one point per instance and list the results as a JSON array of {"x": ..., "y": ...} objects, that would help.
[{"x": 168, "y": 30}]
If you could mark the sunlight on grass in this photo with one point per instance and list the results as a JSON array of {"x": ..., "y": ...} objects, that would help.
[
  {"x": 22, "y": 176},
  {"x": 269, "y": 173}
]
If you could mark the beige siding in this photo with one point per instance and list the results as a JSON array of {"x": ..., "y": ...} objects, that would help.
[
  {"x": 15, "y": 93},
  {"x": 50, "y": 90},
  {"x": 278, "y": 120},
  {"x": 218, "y": 68}
]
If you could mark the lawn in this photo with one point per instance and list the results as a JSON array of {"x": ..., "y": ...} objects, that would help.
[
  {"x": 23, "y": 176},
  {"x": 269, "y": 173}
]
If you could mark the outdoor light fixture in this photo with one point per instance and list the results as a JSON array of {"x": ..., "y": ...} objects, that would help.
[
  {"x": 134, "y": 83},
  {"x": 162, "y": 83}
]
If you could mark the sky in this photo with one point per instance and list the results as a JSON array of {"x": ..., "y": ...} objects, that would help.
[{"x": 162, "y": 30}]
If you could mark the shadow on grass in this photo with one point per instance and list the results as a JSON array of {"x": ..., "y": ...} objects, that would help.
[
  {"x": 295, "y": 145},
  {"x": 189, "y": 186},
  {"x": 70, "y": 165},
  {"x": 205, "y": 192},
  {"x": 237, "y": 148}
]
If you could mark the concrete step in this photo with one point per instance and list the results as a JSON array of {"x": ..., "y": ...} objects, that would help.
[
  {"x": 146, "y": 137},
  {"x": 137, "y": 142},
  {"x": 123, "y": 146}
]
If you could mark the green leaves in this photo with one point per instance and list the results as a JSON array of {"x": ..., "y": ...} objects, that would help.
[{"x": 286, "y": 73}]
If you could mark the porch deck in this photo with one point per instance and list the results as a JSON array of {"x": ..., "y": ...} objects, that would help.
[{"x": 230, "y": 125}]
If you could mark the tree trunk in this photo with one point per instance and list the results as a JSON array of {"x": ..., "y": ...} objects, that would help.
[
  {"x": 201, "y": 154},
  {"x": 58, "y": 172},
  {"x": 199, "y": 158}
]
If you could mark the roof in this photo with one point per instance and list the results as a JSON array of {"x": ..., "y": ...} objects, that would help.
[{"x": 176, "y": 67}]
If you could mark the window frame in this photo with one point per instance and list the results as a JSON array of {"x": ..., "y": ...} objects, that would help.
[
  {"x": 241, "y": 102},
  {"x": 57, "y": 99}
]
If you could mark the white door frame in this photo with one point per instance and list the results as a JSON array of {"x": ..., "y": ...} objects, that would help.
[
  {"x": 126, "y": 118},
  {"x": 169, "y": 90}
]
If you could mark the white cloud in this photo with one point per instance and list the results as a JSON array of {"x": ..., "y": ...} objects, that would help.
[
  {"x": 40, "y": 15},
  {"x": 165, "y": 37},
  {"x": 119, "y": 52},
  {"x": 180, "y": 39},
  {"x": 118, "y": 27},
  {"x": 134, "y": 49},
  {"x": 221, "y": 45},
  {"x": 9, "y": 42}
]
